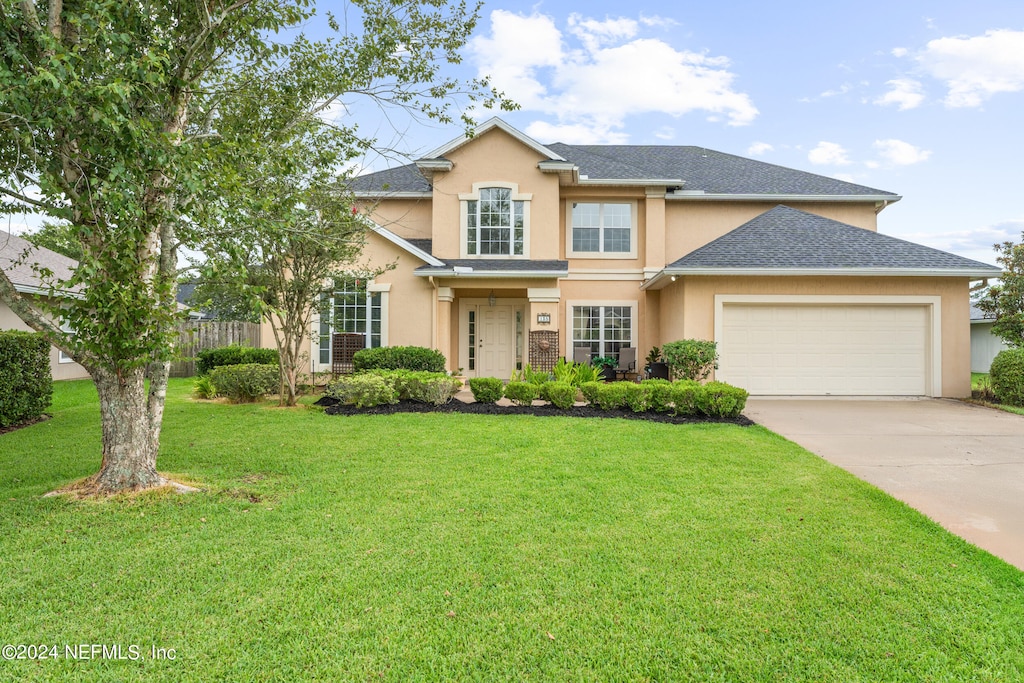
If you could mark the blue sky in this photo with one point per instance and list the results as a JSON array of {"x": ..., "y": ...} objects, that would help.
[{"x": 925, "y": 99}]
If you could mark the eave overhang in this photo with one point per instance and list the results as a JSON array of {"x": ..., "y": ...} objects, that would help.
[{"x": 669, "y": 275}]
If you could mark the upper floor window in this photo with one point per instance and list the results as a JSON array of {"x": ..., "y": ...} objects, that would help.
[
  {"x": 496, "y": 222},
  {"x": 602, "y": 228}
]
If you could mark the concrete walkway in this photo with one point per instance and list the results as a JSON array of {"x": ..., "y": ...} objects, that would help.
[{"x": 960, "y": 464}]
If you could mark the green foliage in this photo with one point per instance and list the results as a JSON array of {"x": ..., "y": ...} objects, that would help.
[
  {"x": 486, "y": 389},
  {"x": 247, "y": 382},
  {"x": 204, "y": 388},
  {"x": 574, "y": 373},
  {"x": 26, "y": 384},
  {"x": 590, "y": 391},
  {"x": 638, "y": 397},
  {"x": 654, "y": 355},
  {"x": 601, "y": 362},
  {"x": 522, "y": 393},
  {"x": 1007, "y": 376},
  {"x": 399, "y": 358},
  {"x": 364, "y": 390},
  {"x": 612, "y": 395},
  {"x": 208, "y": 359},
  {"x": 528, "y": 374},
  {"x": 560, "y": 394},
  {"x": 684, "y": 397},
  {"x": 718, "y": 399},
  {"x": 661, "y": 394},
  {"x": 227, "y": 298},
  {"x": 435, "y": 388},
  {"x": 691, "y": 358},
  {"x": 58, "y": 237},
  {"x": 1004, "y": 300}
]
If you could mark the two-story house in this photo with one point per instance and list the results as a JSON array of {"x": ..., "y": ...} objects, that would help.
[{"x": 509, "y": 252}]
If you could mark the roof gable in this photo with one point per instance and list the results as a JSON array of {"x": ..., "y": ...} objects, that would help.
[{"x": 487, "y": 126}]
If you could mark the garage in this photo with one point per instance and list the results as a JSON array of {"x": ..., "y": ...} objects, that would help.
[{"x": 847, "y": 349}]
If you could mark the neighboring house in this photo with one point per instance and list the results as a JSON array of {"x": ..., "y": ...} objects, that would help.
[
  {"x": 984, "y": 344},
  {"x": 26, "y": 281},
  {"x": 511, "y": 252}
]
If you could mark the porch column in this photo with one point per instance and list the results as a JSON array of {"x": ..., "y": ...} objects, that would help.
[
  {"x": 443, "y": 333},
  {"x": 542, "y": 314}
]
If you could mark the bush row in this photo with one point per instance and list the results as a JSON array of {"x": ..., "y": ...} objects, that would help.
[
  {"x": 399, "y": 358},
  {"x": 380, "y": 387},
  {"x": 1007, "y": 377},
  {"x": 682, "y": 397},
  {"x": 242, "y": 383},
  {"x": 26, "y": 385},
  {"x": 208, "y": 359}
]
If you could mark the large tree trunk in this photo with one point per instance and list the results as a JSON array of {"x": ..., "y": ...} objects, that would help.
[{"x": 131, "y": 430}]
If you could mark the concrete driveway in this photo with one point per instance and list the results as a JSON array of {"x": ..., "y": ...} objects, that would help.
[{"x": 960, "y": 464}]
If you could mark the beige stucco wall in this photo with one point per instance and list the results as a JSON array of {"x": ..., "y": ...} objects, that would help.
[
  {"x": 10, "y": 321},
  {"x": 411, "y": 301},
  {"x": 692, "y": 224},
  {"x": 496, "y": 157},
  {"x": 688, "y": 309},
  {"x": 407, "y": 218}
]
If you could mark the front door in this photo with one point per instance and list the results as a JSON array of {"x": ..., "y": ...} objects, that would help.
[{"x": 496, "y": 341}]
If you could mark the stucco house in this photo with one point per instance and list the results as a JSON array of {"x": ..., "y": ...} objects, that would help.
[
  {"x": 509, "y": 252},
  {"x": 984, "y": 345},
  {"x": 27, "y": 282}
]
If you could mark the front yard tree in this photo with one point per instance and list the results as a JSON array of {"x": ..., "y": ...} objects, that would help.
[
  {"x": 1005, "y": 300},
  {"x": 108, "y": 112}
]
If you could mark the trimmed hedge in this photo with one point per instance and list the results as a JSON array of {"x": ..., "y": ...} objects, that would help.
[
  {"x": 364, "y": 390},
  {"x": 486, "y": 389},
  {"x": 684, "y": 397},
  {"x": 638, "y": 397},
  {"x": 208, "y": 359},
  {"x": 26, "y": 384},
  {"x": 399, "y": 358},
  {"x": 1007, "y": 376},
  {"x": 661, "y": 394},
  {"x": 436, "y": 388},
  {"x": 612, "y": 395},
  {"x": 560, "y": 394},
  {"x": 718, "y": 399},
  {"x": 522, "y": 393},
  {"x": 246, "y": 382},
  {"x": 690, "y": 358}
]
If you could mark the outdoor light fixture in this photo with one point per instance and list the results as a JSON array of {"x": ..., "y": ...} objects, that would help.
[
  {"x": 491, "y": 299},
  {"x": 673, "y": 278}
]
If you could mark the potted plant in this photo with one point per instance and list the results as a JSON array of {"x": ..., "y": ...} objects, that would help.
[
  {"x": 606, "y": 366},
  {"x": 656, "y": 368}
]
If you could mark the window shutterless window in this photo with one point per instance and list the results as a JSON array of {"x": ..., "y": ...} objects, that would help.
[
  {"x": 350, "y": 308},
  {"x": 602, "y": 227},
  {"x": 602, "y": 329},
  {"x": 495, "y": 223}
]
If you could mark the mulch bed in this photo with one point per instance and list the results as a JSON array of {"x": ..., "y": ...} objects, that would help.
[{"x": 332, "y": 407}]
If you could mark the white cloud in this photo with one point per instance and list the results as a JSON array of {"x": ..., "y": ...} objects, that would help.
[
  {"x": 900, "y": 153},
  {"x": 975, "y": 68},
  {"x": 608, "y": 77},
  {"x": 900, "y": 52},
  {"x": 665, "y": 133},
  {"x": 587, "y": 133},
  {"x": 828, "y": 154},
  {"x": 658, "y": 21},
  {"x": 905, "y": 93},
  {"x": 845, "y": 177},
  {"x": 841, "y": 90},
  {"x": 759, "y": 148},
  {"x": 975, "y": 243}
]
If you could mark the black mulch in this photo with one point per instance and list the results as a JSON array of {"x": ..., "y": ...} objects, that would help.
[
  {"x": 22, "y": 425},
  {"x": 332, "y": 407}
]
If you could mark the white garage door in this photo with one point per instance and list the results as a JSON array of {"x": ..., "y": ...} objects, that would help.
[{"x": 825, "y": 349}]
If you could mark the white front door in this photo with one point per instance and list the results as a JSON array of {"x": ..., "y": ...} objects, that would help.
[{"x": 496, "y": 341}]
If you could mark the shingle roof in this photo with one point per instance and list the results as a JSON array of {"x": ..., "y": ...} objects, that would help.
[
  {"x": 703, "y": 169},
  {"x": 20, "y": 269},
  {"x": 423, "y": 244},
  {"x": 699, "y": 169},
  {"x": 978, "y": 314},
  {"x": 481, "y": 266},
  {"x": 786, "y": 238}
]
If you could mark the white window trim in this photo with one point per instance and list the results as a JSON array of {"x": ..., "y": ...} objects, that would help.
[
  {"x": 932, "y": 303},
  {"x": 634, "y": 312},
  {"x": 63, "y": 357},
  {"x": 371, "y": 288},
  {"x": 621, "y": 255},
  {"x": 516, "y": 196}
]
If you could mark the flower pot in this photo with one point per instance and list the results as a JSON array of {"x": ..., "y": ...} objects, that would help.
[
  {"x": 608, "y": 373},
  {"x": 657, "y": 371}
]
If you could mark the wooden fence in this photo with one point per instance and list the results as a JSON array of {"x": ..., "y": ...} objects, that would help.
[{"x": 196, "y": 335}]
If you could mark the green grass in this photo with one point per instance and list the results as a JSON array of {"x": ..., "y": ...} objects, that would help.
[{"x": 441, "y": 547}]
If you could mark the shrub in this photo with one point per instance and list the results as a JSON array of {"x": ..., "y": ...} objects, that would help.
[
  {"x": 561, "y": 394},
  {"x": 684, "y": 397},
  {"x": 590, "y": 390},
  {"x": 26, "y": 385},
  {"x": 246, "y": 382},
  {"x": 364, "y": 390},
  {"x": 718, "y": 399},
  {"x": 208, "y": 359},
  {"x": 528, "y": 374},
  {"x": 486, "y": 389},
  {"x": 611, "y": 395},
  {"x": 521, "y": 393},
  {"x": 1007, "y": 376},
  {"x": 638, "y": 397},
  {"x": 204, "y": 388},
  {"x": 436, "y": 388},
  {"x": 690, "y": 358},
  {"x": 399, "y": 358},
  {"x": 661, "y": 394}
]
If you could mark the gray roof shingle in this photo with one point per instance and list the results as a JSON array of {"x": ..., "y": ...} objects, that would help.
[
  {"x": 786, "y": 238},
  {"x": 399, "y": 179}
]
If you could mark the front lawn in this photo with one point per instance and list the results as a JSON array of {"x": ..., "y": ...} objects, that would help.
[{"x": 447, "y": 547}]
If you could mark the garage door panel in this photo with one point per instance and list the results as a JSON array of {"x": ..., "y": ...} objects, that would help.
[{"x": 825, "y": 349}]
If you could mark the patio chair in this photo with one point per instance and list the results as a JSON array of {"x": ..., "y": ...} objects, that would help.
[
  {"x": 627, "y": 362},
  {"x": 581, "y": 355}
]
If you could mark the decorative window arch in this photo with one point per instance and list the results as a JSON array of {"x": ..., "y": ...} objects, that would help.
[{"x": 495, "y": 219}]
